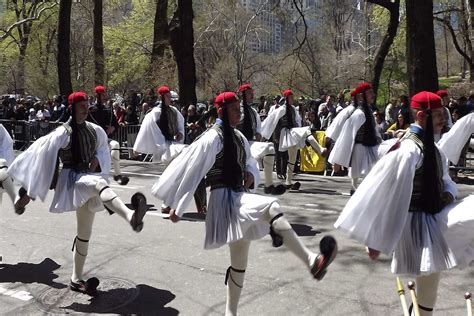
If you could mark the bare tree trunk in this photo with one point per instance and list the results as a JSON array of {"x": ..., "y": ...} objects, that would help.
[
  {"x": 464, "y": 20},
  {"x": 99, "y": 60},
  {"x": 64, "y": 35},
  {"x": 471, "y": 18},
  {"x": 160, "y": 33},
  {"x": 421, "y": 52},
  {"x": 20, "y": 86},
  {"x": 394, "y": 9},
  {"x": 182, "y": 44},
  {"x": 446, "y": 50},
  {"x": 367, "y": 40}
]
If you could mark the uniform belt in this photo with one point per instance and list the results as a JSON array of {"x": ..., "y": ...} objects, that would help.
[
  {"x": 419, "y": 210},
  {"x": 221, "y": 185},
  {"x": 77, "y": 166}
]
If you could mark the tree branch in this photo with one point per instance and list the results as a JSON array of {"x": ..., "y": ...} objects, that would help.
[
  {"x": 7, "y": 32},
  {"x": 447, "y": 11},
  {"x": 453, "y": 36}
]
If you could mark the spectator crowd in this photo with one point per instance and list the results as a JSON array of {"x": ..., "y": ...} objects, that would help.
[{"x": 41, "y": 116}]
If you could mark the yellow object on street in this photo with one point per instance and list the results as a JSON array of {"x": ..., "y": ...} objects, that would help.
[{"x": 310, "y": 160}]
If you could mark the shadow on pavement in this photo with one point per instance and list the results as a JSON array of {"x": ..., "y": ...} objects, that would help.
[
  {"x": 151, "y": 207},
  {"x": 25, "y": 272},
  {"x": 149, "y": 301},
  {"x": 465, "y": 180},
  {"x": 318, "y": 191},
  {"x": 194, "y": 217},
  {"x": 304, "y": 230}
]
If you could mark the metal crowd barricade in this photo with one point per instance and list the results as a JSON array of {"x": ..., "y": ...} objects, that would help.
[
  {"x": 24, "y": 133},
  {"x": 126, "y": 137},
  {"x": 465, "y": 164}
]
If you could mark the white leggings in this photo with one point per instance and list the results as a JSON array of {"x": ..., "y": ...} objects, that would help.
[
  {"x": 239, "y": 251},
  {"x": 115, "y": 153},
  {"x": 427, "y": 290},
  {"x": 292, "y": 151},
  {"x": 84, "y": 219}
]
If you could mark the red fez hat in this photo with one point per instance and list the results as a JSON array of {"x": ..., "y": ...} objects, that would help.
[
  {"x": 353, "y": 93},
  {"x": 287, "y": 93},
  {"x": 77, "y": 97},
  {"x": 442, "y": 93},
  {"x": 425, "y": 100},
  {"x": 162, "y": 90},
  {"x": 99, "y": 89},
  {"x": 245, "y": 86},
  {"x": 361, "y": 88},
  {"x": 225, "y": 98}
]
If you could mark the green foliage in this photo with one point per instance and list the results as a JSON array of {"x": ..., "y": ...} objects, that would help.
[
  {"x": 393, "y": 81},
  {"x": 446, "y": 83},
  {"x": 128, "y": 46}
]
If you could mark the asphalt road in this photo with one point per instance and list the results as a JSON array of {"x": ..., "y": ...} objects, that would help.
[{"x": 164, "y": 270}]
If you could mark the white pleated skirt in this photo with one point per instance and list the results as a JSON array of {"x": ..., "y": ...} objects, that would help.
[
  {"x": 260, "y": 149},
  {"x": 172, "y": 149},
  {"x": 233, "y": 216},
  {"x": 73, "y": 190},
  {"x": 293, "y": 137},
  {"x": 362, "y": 160},
  {"x": 445, "y": 240}
]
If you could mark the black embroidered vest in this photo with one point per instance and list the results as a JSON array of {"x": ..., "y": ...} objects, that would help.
[
  {"x": 253, "y": 122},
  {"x": 172, "y": 122},
  {"x": 415, "y": 201},
  {"x": 284, "y": 123},
  {"x": 215, "y": 175},
  {"x": 87, "y": 147},
  {"x": 362, "y": 135}
]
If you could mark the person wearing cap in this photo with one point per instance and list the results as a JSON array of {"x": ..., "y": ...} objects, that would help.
[
  {"x": 235, "y": 215},
  {"x": 104, "y": 117},
  {"x": 443, "y": 94},
  {"x": 334, "y": 130},
  {"x": 284, "y": 124},
  {"x": 162, "y": 132},
  {"x": 356, "y": 146},
  {"x": 341, "y": 103},
  {"x": 407, "y": 212},
  {"x": 250, "y": 126},
  {"x": 281, "y": 158},
  {"x": 276, "y": 104},
  {"x": 6, "y": 158},
  {"x": 80, "y": 186},
  {"x": 32, "y": 115}
]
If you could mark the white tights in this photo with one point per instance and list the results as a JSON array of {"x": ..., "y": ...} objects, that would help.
[
  {"x": 268, "y": 162},
  {"x": 354, "y": 183},
  {"x": 115, "y": 153},
  {"x": 291, "y": 164},
  {"x": 239, "y": 255},
  {"x": 85, "y": 219},
  {"x": 6, "y": 181},
  {"x": 316, "y": 146},
  {"x": 427, "y": 290}
]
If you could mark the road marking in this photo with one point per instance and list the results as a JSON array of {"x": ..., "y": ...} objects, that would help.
[
  {"x": 142, "y": 174},
  {"x": 308, "y": 207},
  {"x": 116, "y": 186},
  {"x": 21, "y": 295},
  {"x": 158, "y": 214}
]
